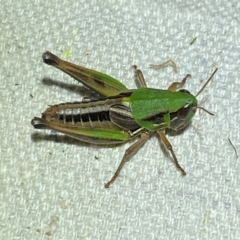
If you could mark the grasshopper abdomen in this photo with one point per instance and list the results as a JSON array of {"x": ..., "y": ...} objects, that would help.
[{"x": 82, "y": 114}]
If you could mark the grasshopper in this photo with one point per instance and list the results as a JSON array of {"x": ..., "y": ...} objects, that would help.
[{"x": 121, "y": 114}]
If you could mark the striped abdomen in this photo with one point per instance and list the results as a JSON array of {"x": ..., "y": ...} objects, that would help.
[{"x": 107, "y": 114}]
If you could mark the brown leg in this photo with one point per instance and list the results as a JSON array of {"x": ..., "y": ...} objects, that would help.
[
  {"x": 140, "y": 79},
  {"x": 175, "y": 85},
  {"x": 131, "y": 150},
  {"x": 169, "y": 147}
]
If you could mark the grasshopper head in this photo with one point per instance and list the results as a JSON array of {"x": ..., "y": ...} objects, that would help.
[{"x": 181, "y": 118}]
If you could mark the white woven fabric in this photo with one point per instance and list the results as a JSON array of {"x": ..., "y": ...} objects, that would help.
[{"x": 52, "y": 186}]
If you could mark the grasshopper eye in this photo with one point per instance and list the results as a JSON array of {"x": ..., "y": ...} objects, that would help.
[{"x": 184, "y": 91}]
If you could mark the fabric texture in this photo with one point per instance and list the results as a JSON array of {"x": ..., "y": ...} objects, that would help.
[{"x": 53, "y": 186}]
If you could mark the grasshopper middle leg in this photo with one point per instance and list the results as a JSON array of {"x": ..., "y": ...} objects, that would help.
[
  {"x": 140, "y": 78},
  {"x": 131, "y": 150}
]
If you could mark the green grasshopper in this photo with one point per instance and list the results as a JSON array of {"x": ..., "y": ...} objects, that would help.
[{"x": 121, "y": 114}]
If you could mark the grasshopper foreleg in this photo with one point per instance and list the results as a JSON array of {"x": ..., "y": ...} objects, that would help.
[
  {"x": 168, "y": 145},
  {"x": 175, "y": 85}
]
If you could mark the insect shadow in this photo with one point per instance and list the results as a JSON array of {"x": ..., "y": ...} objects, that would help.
[
  {"x": 55, "y": 137},
  {"x": 61, "y": 138},
  {"x": 81, "y": 90}
]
